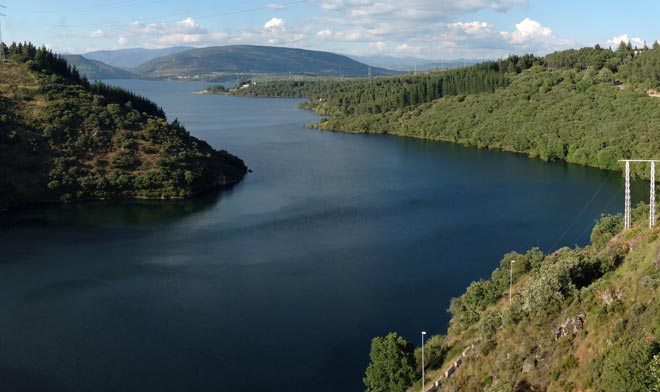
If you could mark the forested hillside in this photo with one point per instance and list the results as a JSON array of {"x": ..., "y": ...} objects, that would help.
[
  {"x": 62, "y": 138},
  {"x": 96, "y": 70},
  {"x": 252, "y": 59},
  {"x": 581, "y": 319},
  {"x": 590, "y": 106}
]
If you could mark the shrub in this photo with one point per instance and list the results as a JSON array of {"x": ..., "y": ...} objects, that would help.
[
  {"x": 499, "y": 386},
  {"x": 606, "y": 227},
  {"x": 392, "y": 367},
  {"x": 627, "y": 366}
]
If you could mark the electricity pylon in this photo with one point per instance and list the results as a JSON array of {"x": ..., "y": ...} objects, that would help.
[{"x": 626, "y": 213}]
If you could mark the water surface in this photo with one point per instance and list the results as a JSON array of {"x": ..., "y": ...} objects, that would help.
[{"x": 281, "y": 282}]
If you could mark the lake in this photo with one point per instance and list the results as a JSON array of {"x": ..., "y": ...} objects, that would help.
[{"x": 280, "y": 283}]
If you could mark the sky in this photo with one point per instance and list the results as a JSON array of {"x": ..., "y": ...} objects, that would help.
[{"x": 431, "y": 29}]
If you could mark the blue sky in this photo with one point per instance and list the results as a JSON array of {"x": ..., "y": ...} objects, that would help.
[{"x": 431, "y": 29}]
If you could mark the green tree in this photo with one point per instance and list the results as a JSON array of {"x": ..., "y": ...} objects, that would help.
[
  {"x": 392, "y": 367},
  {"x": 606, "y": 227}
]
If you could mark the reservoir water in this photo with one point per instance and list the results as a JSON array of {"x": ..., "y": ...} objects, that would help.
[{"x": 279, "y": 283}]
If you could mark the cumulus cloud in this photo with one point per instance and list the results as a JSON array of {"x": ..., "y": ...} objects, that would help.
[
  {"x": 472, "y": 28},
  {"x": 527, "y": 30},
  {"x": 275, "y": 24},
  {"x": 380, "y": 46},
  {"x": 414, "y": 9},
  {"x": 408, "y": 49},
  {"x": 426, "y": 28},
  {"x": 325, "y": 33},
  {"x": 97, "y": 34},
  {"x": 634, "y": 41}
]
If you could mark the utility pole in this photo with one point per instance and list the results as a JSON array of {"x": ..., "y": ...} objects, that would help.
[
  {"x": 423, "y": 377},
  {"x": 511, "y": 280},
  {"x": 2, "y": 48}
]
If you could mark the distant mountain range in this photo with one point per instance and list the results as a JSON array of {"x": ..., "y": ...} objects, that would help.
[
  {"x": 409, "y": 63},
  {"x": 218, "y": 62},
  {"x": 131, "y": 58},
  {"x": 255, "y": 60},
  {"x": 97, "y": 70}
]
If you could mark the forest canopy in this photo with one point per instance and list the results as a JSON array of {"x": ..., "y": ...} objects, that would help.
[{"x": 590, "y": 106}]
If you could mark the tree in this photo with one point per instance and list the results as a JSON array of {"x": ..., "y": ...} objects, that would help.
[{"x": 392, "y": 367}]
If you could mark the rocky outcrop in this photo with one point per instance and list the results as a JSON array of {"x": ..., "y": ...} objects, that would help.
[{"x": 571, "y": 326}]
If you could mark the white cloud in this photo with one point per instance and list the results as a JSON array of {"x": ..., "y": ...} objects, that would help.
[
  {"x": 97, "y": 34},
  {"x": 275, "y": 6},
  {"x": 325, "y": 33},
  {"x": 527, "y": 30},
  {"x": 634, "y": 41},
  {"x": 122, "y": 40},
  {"x": 409, "y": 50},
  {"x": 471, "y": 27},
  {"x": 275, "y": 24},
  {"x": 380, "y": 46},
  {"x": 414, "y": 9}
]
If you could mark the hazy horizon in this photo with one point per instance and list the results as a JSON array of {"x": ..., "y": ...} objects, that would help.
[{"x": 424, "y": 29}]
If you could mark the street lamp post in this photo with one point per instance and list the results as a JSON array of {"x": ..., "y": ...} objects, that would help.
[
  {"x": 423, "y": 379},
  {"x": 511, "y": 279}
]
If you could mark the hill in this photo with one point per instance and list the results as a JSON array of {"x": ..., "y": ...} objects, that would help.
[
  {"x": 581, "y": 319},
  {"x": 591, "y": 106},
  {"x": 248, "y": 59},
  {"x": 62, "y": 138},
  {"x": 408, "y": 63},
  {"x": 133, "y": 57},
  {"x": 96, "y": 70}
]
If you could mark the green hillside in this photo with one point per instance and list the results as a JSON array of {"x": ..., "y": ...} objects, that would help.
[
  {"x": 581, "y": 319},
  {"x": 96, "y": 70},
  {"x": 590, "y": 106},
  {"x": 248, "y": 59},
  {"x": 62, "y": 138},
  {"x": 131, "y": 57}
]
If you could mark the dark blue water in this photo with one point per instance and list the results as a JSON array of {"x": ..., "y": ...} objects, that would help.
[{"x": 281, "y": 282}]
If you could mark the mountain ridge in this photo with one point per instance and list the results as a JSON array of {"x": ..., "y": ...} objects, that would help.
[
  {"x": 97, "y": 70},
  {"x": 132, "y": 57},
  {"x": 255, "y": 59}
]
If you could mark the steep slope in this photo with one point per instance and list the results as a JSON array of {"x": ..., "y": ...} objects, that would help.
[
  {"x": 581, "y": 319},
  {"x": 96, "y": 70},
  {"x": 255, "y": 59},
  {"x": 64, "y": 139},
  {"x": 133, "y": 57}
]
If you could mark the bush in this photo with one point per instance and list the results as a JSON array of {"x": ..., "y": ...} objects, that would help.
[
  {"x": 434, "y": 353},
  {"x": 392, "y": 367},
  {"x": 606, "y": 227},
  {"x": 627, "y": 366},
  {"x": 499, "y": 386}
]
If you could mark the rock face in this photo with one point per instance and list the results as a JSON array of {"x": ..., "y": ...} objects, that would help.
[
  {"x": 571, "y": 326},
  {"x": 528, "y": 365},
  {"x": 610, "y": 296}
]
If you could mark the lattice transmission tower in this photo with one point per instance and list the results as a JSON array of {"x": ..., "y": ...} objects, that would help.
[{"x": 626, "y": 214}]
